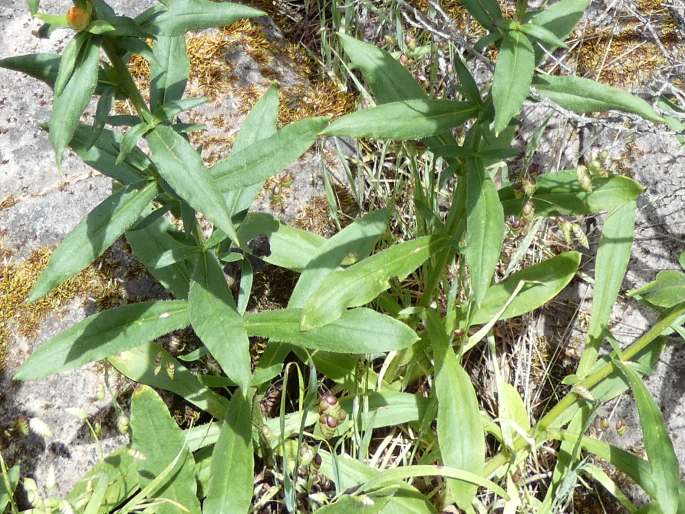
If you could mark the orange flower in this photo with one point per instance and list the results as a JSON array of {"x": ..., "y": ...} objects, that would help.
[{"x": 78, "y": 17}]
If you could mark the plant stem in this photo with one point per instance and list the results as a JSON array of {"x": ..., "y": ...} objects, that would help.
[
  {"x": 127, "y": 82},
  {"x": 548, "y": 419}
]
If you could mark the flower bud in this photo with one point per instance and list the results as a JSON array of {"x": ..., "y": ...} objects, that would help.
[
  {"x": 78, "y": 18},
  {"x": 123, "y": 424},
  {"x": 584, "y": 178}
]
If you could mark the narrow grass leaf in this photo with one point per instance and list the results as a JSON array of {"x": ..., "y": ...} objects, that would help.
[
  {"x": 180, "y": 16},
  {"x": 543, "y": 282},
  {"x": 364, "y": 281},
  {"x": 599, "y": 475},
  {"x": 169, "y": 70},
  {"x": 613, "y": 256},
  {"x": 13, "y": 479},
  {"x": 230, "y": 483},
  {"x": 157, "y": 437},
  {"x": 484, "y": 228},
  {"x": 412, "y": 119},
  {"x": 513, "y": 76},
  {"x": 151, "y": 365},
  {"x": 216, "y": 321},
  {"x": 181, "y": 166},
  {"x": 357, "y": 331},
  {"x": 266, "y": 157},
  {"x": 92, "y": 236},
  {"x": 98, "y": 496},
  {"x": 663, "y": 463},
  {"x": 68, "y": 107},
  {"x": 103, "y": 334},
  {"x": 584, "y": 95},
  {"x": 460, "y": 431}
]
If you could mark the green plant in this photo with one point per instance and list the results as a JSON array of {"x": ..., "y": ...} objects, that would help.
[{"x": 369, "y": 356}]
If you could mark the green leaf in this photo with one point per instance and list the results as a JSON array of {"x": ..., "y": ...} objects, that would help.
[
  {"x": 681, "y": 260},
  {"x": 486, "y": 12},
  {"x": 484, "y": 228},
  {"x": 103, "y": 334},
  {"x": 101, "y": 114},
  {"x": 560, "y": 18},
  {"x": 216, "y": 321},
  {"x": 43, "y": 66},
  {"x": 180, "y": 16},
  {"x": 585, "y": 95},
  {"x": 68, "y": 61},
  {"x": 93, "y": 235},
  {"x": 121, "y": 468},
  {"x": 460, "y": 431},
  {"x": 611, "y": 265},
  {"x": 357, "y": 331},
  {"x": 467, "y": 84},
  {"x": 362, "y": 504},
  {"x": 559, "y": 194},
  {"x": 157, "y": 437},
  {"x": 513, "y": 76},
  {"x": 102, "y": 155},
  {"x": 362, "y": 282},
  {"x": 542, "y": 34},
  {"x": 116, "y": 26},
  {"x": 151, "y": 365},
  {"x": 266, "y": 157},
  {"x": 412, "y": 119},
  {"x": 512, "y": 413},
  {"x": 69, "y": 106},
  {"x": 668, "y": 290},
  {"x": 291, "y": 248},
  {"x": 355, "y": 242},
  {"x": 169, "y": 71},
  {"x": 259, "y": 125},
  {"x": 13, "y": 479},
  {"x": 130, "y": 140},
  {"x": 150, "y": 241},
  {"x": 181, "y": 166},
  {"x": 388, "y": 79},
  {"x": 660, "y": 453},
  {"x": 543, "y": 282},
  {"x": 230, "y": 483},
  {"x": 33, "y": 6}
]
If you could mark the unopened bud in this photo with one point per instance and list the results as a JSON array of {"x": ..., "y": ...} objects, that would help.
[
  {"x": 123, "y": 424},
  {"x": 78, "y": 18},
  {"x": 584, "y": 178},
  {"x": 529, "y": 187}
]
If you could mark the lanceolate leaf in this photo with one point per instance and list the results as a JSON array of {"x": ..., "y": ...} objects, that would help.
[
  {"x": 216, "y": 321},
  {"x": 560, "y": 194},
  {"x": 103, "y": 334},
  {"x": 362, "y": 282},
  {"x": 159, "y": 440},
  {"x": 513, "y": 76},
  {"x": 543, "y": 282},
  {"x": 230, "y": 483},
  {"x": 260, "y": 124},
  {"x": 181, "y": 166},
  {"x": 357, "y": 331},
  {"x": 460, "y": 431},
  {"x": 412, "y": 119},
  {"x": 660, "y": 453},
  {"x": 559, "y": 18},
  {"x": 149, "y": 364},
  {"x": 668, "y": 290},
  {"x": 150, "y": 241},
  {"x": 484, "y": 228},
  {"x": 169, "y": 71},
  {"x": 92, "y": 236},
  {"x": 264, "y": 158},
  {"x": 487, "y": 12},
  {"x": 585, "y": 95},
  {"x": 180, "y": 16},
  {"x": 355, "y": 242},
  {"x": 613, "y": 256},
  {"x": 69, "y": 59},
  {"x": 69, "y": 106},
  {"x": 388, "y": 79}
]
